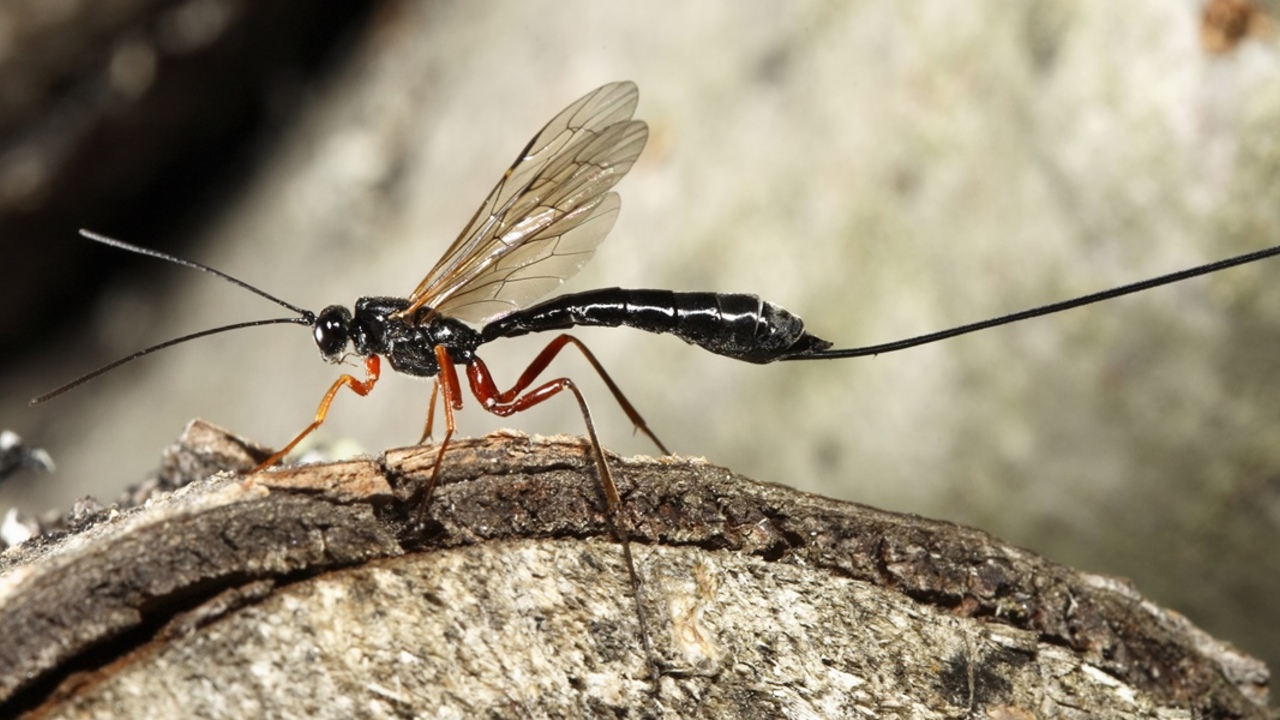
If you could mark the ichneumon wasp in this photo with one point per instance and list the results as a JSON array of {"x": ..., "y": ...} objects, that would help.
[{"x": 539, "y": 226}]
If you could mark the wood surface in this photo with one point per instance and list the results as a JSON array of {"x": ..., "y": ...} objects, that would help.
[{"x": 323, "y": 591}]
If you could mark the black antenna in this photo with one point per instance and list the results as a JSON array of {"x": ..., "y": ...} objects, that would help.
[
  {"x": 191, "y": 264},
  {"x": 167, "y": 343},
  {"x": 305, "y": 317},
  {"x": 1042, "y": 310}
]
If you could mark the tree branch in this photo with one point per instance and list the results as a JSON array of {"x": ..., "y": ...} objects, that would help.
[{"x": 315, "y": 590}]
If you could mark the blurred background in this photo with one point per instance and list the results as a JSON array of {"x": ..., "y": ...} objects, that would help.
[{"x": 881, "y": 169}]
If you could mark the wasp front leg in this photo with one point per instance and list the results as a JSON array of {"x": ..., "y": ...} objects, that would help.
[{"x": 372, "y": 369}]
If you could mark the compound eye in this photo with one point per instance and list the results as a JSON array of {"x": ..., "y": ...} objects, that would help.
[{"x": 332, "y": 331}]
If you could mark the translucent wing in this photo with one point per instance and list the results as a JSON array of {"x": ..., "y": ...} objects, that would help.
[{"x": 546, "y": 216}]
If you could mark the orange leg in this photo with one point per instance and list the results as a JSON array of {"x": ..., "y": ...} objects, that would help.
[
  {"x": 505, "y": 403},
  {"x": 372, "y": 368},
  {"x": 511, "y": 401},
  {"x": 483, "y": 387},
  {"x": 447, "y": 383},
  {"x": 431, "y": 413},
  {"x": 544, "y": 359}
]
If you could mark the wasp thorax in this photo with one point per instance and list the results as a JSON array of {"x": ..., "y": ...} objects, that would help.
[{"x": 332, "y": 331}]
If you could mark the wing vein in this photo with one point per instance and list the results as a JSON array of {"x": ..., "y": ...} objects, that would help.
[{"x": 544, "y": 219}]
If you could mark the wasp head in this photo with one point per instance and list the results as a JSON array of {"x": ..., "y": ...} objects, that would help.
[{"x": 332, "y": 332}]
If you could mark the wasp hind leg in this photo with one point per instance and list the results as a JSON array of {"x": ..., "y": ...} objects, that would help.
[
  {"x": 544, "y": 359},
  {"x": 512, "y": 401}
]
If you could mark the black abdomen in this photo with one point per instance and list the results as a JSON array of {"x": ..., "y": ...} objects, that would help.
[{"x": 736, "y": 325}]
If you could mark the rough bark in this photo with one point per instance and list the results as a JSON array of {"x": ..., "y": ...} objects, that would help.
[{"x": 326, "y": 591}]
